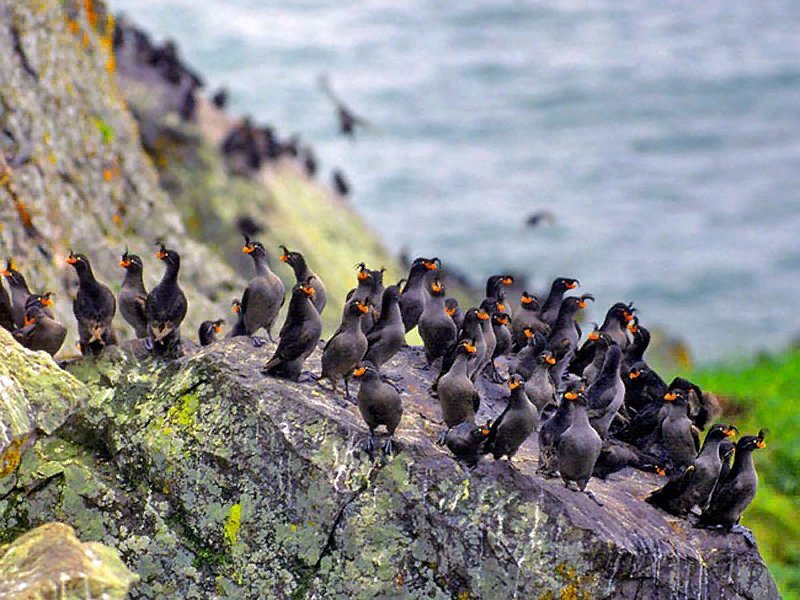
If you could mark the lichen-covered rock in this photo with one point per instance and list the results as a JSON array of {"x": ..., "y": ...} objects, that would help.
[
  {"x": 214, "y": 481},
  {"x": 50, "y": 562},
  {"x": 36, "y": 396}
]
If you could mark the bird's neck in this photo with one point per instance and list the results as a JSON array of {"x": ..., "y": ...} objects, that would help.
[
  {"x": 554, "y": 298},
  {"x": 133, "y": 279},
  {"x": 579, "y": 416},
  {"x": 460, "y": 365},
  {"x": 710, "y": 447},
  {"x": 743, "y": 461},
  {"x": 300, "y": 269},
  {"x": 261, "y": 264},
  {"x": 171, "y": 274}
]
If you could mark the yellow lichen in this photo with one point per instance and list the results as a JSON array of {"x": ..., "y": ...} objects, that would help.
[
  {"x": 233, "y": 523},
  {"x": 9, "y": 460}
]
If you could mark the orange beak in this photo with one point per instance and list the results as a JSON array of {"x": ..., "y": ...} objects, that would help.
[
  {"x": 470, "y": 348},
  {"x": 670, "y": 396},
  {"x": 46, "y": 301},
  {"x": 512, "y": 385},
  {"x": 161, "y": 255},
  {"x": 247, "y": 248},
  {"x": 283, "y": 257},
  {"x": 217, "y": 328},
  {"x": 661, "y": 472},
  {"x": 483, "y": 315},
  {"x": 508, "y": 281},
  {"x": 526, "y": 300},
  {"x": 364, "y": 308},
  {"x": 26, "y": 320},
  {"x": 236, "y": 308},
  {"x": 572, "y": 285},
  {"x": 594, "y": 336},
  {"x": 450, "y": 311},
  {"x": 501, "y": 307},
  {"x": 71, "y": 260},
  {"x": 632, "y": 327},
  {"x": 125, "y": 263},
  {"x": 430, "y": 266},
  {"x": 761, "y": 444},
  {"x": 528, "y": 333},
  {"x": 582, "y": 304},
  {"x": 634, "y": 374},
  {"x": 571, "y": 396},
  {"x": 359, "y": 372},
  {"x": 628, "y": 317},
  {"x": 550, "y": 360},
  {"x": 436, "y": 287},
  {"x": 309, "y": 291}
]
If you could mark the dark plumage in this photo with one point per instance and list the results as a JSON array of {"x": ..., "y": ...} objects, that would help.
[
  {"x": 165, "y": 306},
  {"x": 302, "y": 274},
  {"x": 264, "y": 295},
  {"x": 458, "y": 397},
  {"x": 208, "y": 331},
  {"x": 94, "y": 308},
  {"x": 40, "y": 331},
  {"x": 299, "y": 335},
  {"x": 527, "y": 317},
  {"x": 578, "y": 448},
  {"x": 414, "y": 294},
  {"x": 379, "y": 404},
  {"x": 466, "y": 441},
  {"x": 19, "y": 292},
  {"x": 552, "y": 303},
  {"x": 388, "y": 334},
  {"x": 552, "y": 428},
  {"x": 347, "y": 346},
  {"x": 614, "y": 328},
  {"x": 518, "y": 420},
  {"x": 238, "y": 328},
  {"x": 132, "y": 294},
  {"x": 453, "y": 309},
  {"x": 606, "y": 394},
  {"x": 436, "y": 328},
  {"x": 565, "y": 334}
]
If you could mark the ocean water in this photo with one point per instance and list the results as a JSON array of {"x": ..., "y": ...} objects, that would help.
[{"x": 665, "y": 138}]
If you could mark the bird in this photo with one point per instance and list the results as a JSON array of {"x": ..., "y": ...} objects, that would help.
[
  {"x": 466, "y": 441},
  {"x": 40, "y": 331},
  {"x": 264, "y": 295},
  {"x": 348, "y": 120},
  {"x": 302, "y": 274},
  {"x": 693, "y": 486},
  {"x": 565, "y": 333},
  {"x": 552, "y": 304},
  {"x": 471, "y": 332},
  {"x": 436, "y": 328},
  {"x": 551, "y": 430},
  {"x": 132, "y": 294},
  {"x": 518, "y": 420},
  {"x": 299, "y": 335},
  {"x": 453, "y": 309},
  {"x": 502, "y": 336},
  {"x": 539, "y": 217},
  {"x": 208, "y": 331},
  {"x": 528, "y": 317},
  {"x": 525, "y": 360},
  {"x": 676, "y": 440},
  {"x": 606, "y": 394},
  {"x": 414, "y": 295},
  {"x": 165, "y": 306},
  {"x": 486, "y": 309},
  {"x": 238, "y": 328},
  {"x": 19, "y": 292},
  {"x": 458, "y": 399},
  {"x": 578, "y": 448},
  {"x": 539, "y": 385},
  {"x": 346, "y": 348},
  {"x": 6, "y": 315},
  {"x": 340, "y": 183},
  {"x": 94, "y": 307},
  {"x": 734, "y": 494},
  {"x": 370, "y": 287},
  {"x": 379, "y": 404},
  {"x": 615, "y": 326},
  {"x": 494, "y": 290},
  {"x": 388, "y": 334}
]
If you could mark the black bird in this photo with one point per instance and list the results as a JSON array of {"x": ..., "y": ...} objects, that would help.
[
  {"x": 436, "y": 328},
  {"x": 526, "y": 359},
  {"x": 552, "y": 303},
  {"x": 208, "y": 331},
  {"x": 494, "y": 290},
  {"x": 693, "y": 486},
  {"x": 466, "y": 441},
  {"x": 379, "y": 404},
  {"x": 303, "y": 274},
  {"x": 552, "y": 428},
  {"x": 601, "y": 343},
  {"x": 615, "y": 326},
  {"x": 578, "y": 448},
  {"x": 220, "y": 98},
  {"x": 165, "y": 306},
  {"x": 502, "y": 335},
  {"x": 453, "y": 309},
  {"x": 299, "y": 335},
  {"x": 414, "y": 294},
  {"x": 518, "y": 420},
  {"x": 94, "y": 308},
  {"x": 19, "y": 292},
  {"x": 347, "y": 346},
  {"x": 264, "y": 295},
  {"x": 675, "y": 440},
  {"x": 348, "y": 121},
  {"x": 458, "y": 398},
  {"x": 528, "y": 317},
  {"x": 606, "y": 394},
  {"x": 539, "y": 386},
  {"x": 309, "y": 162},
  {"x": 6, "y": 316},
  {"x": 238, "y": 328},
  {"x": 634, "y": 353},
  {"x": 538, "y": 217},
  {"x": 40, "y": 331},
  {"x": 470, "y": 332},
  {"x": 370, "y": 290},
  {"x": 565, "y": 334},
  {"x": 340, "y": 183},
  {"x": 132, "y": 294},
  {"x": 388, "y": 334},
  {"x": 735, "y": 493}
]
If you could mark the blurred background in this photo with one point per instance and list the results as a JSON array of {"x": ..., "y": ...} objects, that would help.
[
  {"x": 662, "y": 141},
  {"x": 658, "y": 144}
]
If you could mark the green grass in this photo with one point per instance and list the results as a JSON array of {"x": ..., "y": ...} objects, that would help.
[{"x": 758, "y": 394}]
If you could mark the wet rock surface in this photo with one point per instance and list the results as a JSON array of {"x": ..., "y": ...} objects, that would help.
[{"x": 212, "y": 480}]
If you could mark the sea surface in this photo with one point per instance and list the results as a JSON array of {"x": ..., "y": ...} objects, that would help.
[{"x": 663, "y": 137}]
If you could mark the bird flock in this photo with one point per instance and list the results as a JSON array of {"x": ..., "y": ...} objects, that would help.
[{"x": 596, "y": 406}]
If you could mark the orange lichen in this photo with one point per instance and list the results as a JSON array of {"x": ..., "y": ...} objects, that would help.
[
  {"x": 24, "y": 214},
  {"x": 91, "y": 13},
  {"x": 10, "y": 458}
]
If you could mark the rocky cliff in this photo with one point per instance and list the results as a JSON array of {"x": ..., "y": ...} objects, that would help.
[{"x": 214, "y": 481}]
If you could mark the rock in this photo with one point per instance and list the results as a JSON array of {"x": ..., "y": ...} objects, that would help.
[
  {"x": 51, "y": 562},
  {"x": 36, "y": 396},
  {"x": 211, "y": 479}
]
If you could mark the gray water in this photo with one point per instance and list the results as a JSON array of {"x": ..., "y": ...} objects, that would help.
[{"x": 665, "y": 138}]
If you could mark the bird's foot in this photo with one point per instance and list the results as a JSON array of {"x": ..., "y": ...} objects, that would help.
[
  {"x": 342, "y": 402},
  {"x": 746, "y": 533},
  {"x": 369, "y": 445},
  {"x": 593, "y": 497},
  {"x": 388, "y": 447},
  {"x": 148, "y": 344},
  {"x": 257, "y": 341},
  {"x": 349, "y": 399},
  {"x": 308, "y": 377},
  {"x": 442, "y": 437}
]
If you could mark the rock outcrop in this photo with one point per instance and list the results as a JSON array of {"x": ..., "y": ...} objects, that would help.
[{"x": 212, "y": 480}]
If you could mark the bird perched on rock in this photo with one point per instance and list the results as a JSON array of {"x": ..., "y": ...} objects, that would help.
[
  {"x": 552, "y": 304},
  {"x": 6, "y": 315},
  {"x": 453, "y": 310},
  {"x": 539, "y": 386},
  {"x": 471, "y": 332},
  {"x": 19, "y": 292},
  {"x": 347, "y": 346},
  {"x": 518, "y": 420},
  {"x": 502, "y": 336},
  {"x": 605, "y": 396},
  {"x": 238, "y": 328},
  {"x": 132, "y": 294},
  {"x": 165, "y": 306},
  {"x": 264, "y": 295},
  {"x": 526, "y": 359},
  {"x": 485, "y": 312},
  {"x": 675, "y": 440},
  {"x": 303, "y": 274},
  {"x": 552, "y": 429},
  {"x": 565, "y": 333},
  {"x": 94, "y": 308},
  {"x": 388, "y": 334},
  {"x": 578, "y": 448},
  {"x": 299, "y": 335},
  {"x": 370, "y": 288},
  {"x": 436, "y": 328},
  {"x": 414, "y": 293},
  {"x": 466, "y": 441},
  {"x": 458, "y": 397},
  {"x": 615, "y": 328},
  {"x": 379, "y": 404},
  {"x": 208, "y": 331},
  {"x": 734, "y": 494},
  {"x": 694, "y": 485},
  {"x": 495, "y": 291},
  {"x": 527, "y": 316},
  {"x": 40, "y": 331},
  {"x": 601, "y": 343}
]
